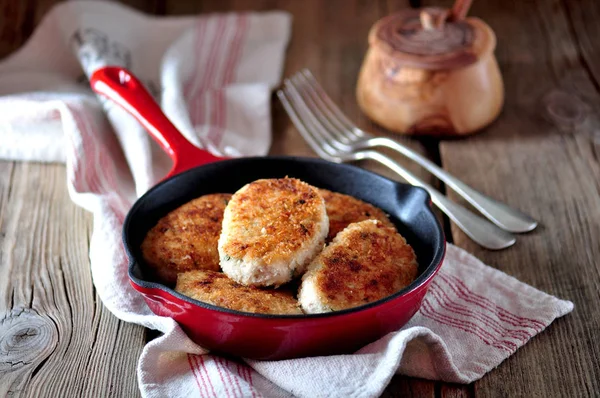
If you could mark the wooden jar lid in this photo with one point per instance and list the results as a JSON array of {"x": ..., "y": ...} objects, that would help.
[{"x": 426, "y": 38}]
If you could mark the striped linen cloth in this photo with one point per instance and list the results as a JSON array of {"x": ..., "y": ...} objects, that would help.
[{"x": 214, "y": 75}]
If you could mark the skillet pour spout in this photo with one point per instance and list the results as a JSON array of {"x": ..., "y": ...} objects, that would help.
[{"x": 259, "y": 336}]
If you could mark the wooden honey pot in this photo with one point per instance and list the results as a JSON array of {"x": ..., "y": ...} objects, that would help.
[{"x": 431, "y": 71}]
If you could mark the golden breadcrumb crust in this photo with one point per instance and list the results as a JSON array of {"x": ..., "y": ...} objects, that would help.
[
  {"x": 344, "y": 210},
  {"x": 217, "y": 289},
  {"x": 365, "y": 262},
  {"x": 271, "y": 219},
  {"x": 186, "y": 238}
]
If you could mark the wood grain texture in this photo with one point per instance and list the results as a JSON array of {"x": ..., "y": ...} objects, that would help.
[
  {"x": 448, "y": 390},
  {"x": 15, "y": 24},
  {"x": 542, "y": 156},
  {"x": 582, "y": 18},
  {"x": 402, "y": 386},
  {"x": 56, "y": 337}
]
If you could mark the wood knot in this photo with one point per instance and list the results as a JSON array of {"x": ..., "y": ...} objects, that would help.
[
  {"x": 565, "y": 109},
  {"x": 26, "y": 337}
]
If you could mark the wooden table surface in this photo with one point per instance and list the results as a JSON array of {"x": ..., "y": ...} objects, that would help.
[{"x": 69, "y": 344}]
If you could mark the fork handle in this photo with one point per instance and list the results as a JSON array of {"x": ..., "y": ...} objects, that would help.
[
  {"x": 500, "y": 214},
  {"x": 481, "y": 231}
]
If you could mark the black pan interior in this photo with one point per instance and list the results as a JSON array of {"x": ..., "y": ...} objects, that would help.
[{"x": 407, "y": 206}]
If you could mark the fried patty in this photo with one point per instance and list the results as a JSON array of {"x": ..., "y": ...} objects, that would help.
[
  {"x": 344, "y": 210},
  {"x": 272, "y": 229},
  {"x": 217, "y": 289},
  {"x": 186, "y": 238},
  {"x": 366, "y": 262}
]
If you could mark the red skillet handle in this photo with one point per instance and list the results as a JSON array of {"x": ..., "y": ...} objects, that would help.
[{"x": 122, "y": 87}]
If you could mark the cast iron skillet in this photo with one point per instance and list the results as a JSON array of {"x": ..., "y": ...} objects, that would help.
[{"x": 196, "y": 172}]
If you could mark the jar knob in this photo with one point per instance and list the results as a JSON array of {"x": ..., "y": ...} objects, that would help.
[
  {"x": 426, "y": 20},
  {"x": 459, "y": 10}
]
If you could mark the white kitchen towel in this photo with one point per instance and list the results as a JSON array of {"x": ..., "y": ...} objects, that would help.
[{"x": 213, "y": 75}]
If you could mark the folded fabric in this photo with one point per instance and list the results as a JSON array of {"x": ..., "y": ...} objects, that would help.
[{"x": 213, "y": 76}]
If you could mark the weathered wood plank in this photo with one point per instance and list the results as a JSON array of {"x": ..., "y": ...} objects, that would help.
[
  {"x": 15, "y": 25},
  {"x": 57, "y": 339},
  {"x": 402, "y": 386},
  {"x": 543, "y": 160},
  {"x": 583, "y": 17},
  {"x": 448, "y": 390}
]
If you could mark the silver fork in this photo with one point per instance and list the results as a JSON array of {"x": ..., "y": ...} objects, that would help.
[
  {"x": 349, "y": 138},
  {"x": 320, "y": 139}
]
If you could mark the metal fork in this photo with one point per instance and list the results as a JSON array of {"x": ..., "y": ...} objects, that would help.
[
  {"x": 320, "y": 139},
  {"x": 349, "y": 138}
]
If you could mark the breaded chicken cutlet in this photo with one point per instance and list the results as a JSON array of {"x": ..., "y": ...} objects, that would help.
[
  {"x": 366, "y": 262},
  {"x": 272, "y": 229},
  {"x": 343, "y": 210},
  {"x": 186, "y": 238},
  {"x": 217, "y": 289}
]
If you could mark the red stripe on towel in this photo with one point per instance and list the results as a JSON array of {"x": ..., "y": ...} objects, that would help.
[
  {"x": 89, "y": 167},
  {"x": 429, "y": 311},
  {"x": 226, "y": 384},
  {"x": 201, "y": 367},
  {"x": 226, "y": 363},
  {"x": 199, "y": 115},
  {"x": 448, "y": 304},
  {"x": 216, "y": 121},
  {"x": 196, "y": 377},
  {"x": 191, "y": 82},
  {"x": 230, "y": 73},
  {"x": 468, "y": 295},
  {"x": 106, "y": 186}
]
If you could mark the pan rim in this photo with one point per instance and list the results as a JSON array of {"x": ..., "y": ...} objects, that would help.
[{"x": 428, "y": 272}]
